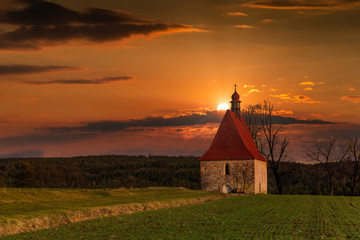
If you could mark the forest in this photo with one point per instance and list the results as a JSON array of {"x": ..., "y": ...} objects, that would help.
[{"x": 116, "y": 171}]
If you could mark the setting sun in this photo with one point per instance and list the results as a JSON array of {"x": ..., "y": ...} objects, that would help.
[{"x": 223, "y": 106}]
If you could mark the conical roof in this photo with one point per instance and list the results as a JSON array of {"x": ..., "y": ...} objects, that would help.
[{"x": 233, "y": 141}]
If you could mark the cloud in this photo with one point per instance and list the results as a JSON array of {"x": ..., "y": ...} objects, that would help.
[
  {"x": 111, "y": 126},
  {"x": 351, "y": 89},
  {"x": 303, "y": 4},
  {"x": 308, "y": 89},
  {"x": 253, "y": 90},
  {"x": 283, "y": 112},
  {"x": 245, "y": 26},
  {"x": 295, "y": 98},
  {"x": 40, "y": 23},
  {"x": 317, "y": 115},
  {"x": 236, "y": 14},
  {"x": 290, "y": 121},
  {"x": 104, "y": 80},
  {"x": 30, "y": 69},
  {"x": 175, "y": 121},
  {"x": 352, "y": 99},
  {"x": 179, "y": 135},
  {"x": 267, "y": 20},
  {"x": 314, "y": 13},
  {"x": 306, "y": 84},
  {"x": 248, "y": 86}
]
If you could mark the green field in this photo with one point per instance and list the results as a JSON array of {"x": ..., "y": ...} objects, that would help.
[
  {"x": 250, "y": 217},
  {"x": 27, "y": 209}
]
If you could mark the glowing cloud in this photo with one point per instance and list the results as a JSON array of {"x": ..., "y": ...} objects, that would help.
[
  {"x": 283, "y": 112},
  {"x": 244, "y": 26},
  {"x": 306, "y": 84},
  {"x": 268, "y": 20},
  {"x": 253, "y": 90},
  {"x": 295, "y": 98},
  {"x": 352, "y": 99},
  {"x": 248, "y": 86},
  {"x": 235, "y": 14}
]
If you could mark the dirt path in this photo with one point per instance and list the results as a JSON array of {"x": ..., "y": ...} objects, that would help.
[{"x": 62, "y": 218}]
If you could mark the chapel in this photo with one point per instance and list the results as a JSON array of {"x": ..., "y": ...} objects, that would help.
[{"x": 233, "y": 162}]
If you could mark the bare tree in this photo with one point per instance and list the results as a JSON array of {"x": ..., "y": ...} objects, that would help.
[
  {"x": 354, "y": 152},
  {"x": 239, "y": 176},
  {"x": 245, "y": 174},
  {"x": 252, "y": 118},
  {"x": 330, "y": 154},
  {"x": 267, "y": 138}
]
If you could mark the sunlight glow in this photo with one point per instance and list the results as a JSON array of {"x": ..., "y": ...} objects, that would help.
[{"x": 223, "y": 106}]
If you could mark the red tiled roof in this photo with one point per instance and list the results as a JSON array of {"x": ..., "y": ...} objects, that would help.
[{"x": 233, "y": 141}]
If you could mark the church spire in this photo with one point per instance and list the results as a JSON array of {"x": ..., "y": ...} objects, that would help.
[{"x": 235, "y": 103}]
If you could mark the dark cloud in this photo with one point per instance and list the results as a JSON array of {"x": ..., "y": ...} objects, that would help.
[
  {"x": 40, "y": 23},
  {"x": 290, "y": 120},
  {"x": 185, "y": 120},
  {"x": 26, "y": 69},
  {"x": 81, "y": 81},
  {"x": 47, "y": 13},
  {"x": 302, "y": 4},
  {"x": 35, "y": 153},
  {"x": 112, "y": 126},
  {"x": 137, "y": 136}
]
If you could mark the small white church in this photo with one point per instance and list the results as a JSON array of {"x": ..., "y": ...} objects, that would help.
[{"x": 233, "y": 162}]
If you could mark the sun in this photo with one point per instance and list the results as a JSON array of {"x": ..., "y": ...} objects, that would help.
[{"x": 223, "y": 106}]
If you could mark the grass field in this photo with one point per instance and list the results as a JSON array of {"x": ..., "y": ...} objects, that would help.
[
  {"x": 26, "y": 209},
  {"x": 243, "y": 217}
]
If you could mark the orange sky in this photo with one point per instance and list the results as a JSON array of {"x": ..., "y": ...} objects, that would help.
[{"x": 69, "y": 63}]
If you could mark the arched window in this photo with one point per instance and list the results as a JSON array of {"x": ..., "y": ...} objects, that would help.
[{"x": 227, "y": 169}]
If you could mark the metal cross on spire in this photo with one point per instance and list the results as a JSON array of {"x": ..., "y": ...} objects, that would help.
[{"x": 235, "y": 87}]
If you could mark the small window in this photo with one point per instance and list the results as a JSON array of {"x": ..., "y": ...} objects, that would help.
[{"x": 227, "y": 169}]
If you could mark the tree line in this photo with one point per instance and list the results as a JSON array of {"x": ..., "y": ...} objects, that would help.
[
  {"x": 115, "y": 171},
  {"x": 101, "y": 172}
]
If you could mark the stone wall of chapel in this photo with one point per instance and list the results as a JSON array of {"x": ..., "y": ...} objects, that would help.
[{"x": 241, "y": 176}]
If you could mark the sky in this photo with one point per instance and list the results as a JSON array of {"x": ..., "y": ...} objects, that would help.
[{"x": 145, "y": 77}]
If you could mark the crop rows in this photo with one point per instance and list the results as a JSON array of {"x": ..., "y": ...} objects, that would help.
[{"x": 251, "y": 217}]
